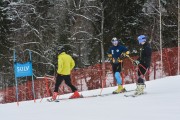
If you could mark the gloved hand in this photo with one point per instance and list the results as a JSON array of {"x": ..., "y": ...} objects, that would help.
[
  {"x": 127, "y": 53},
  {"x": 110, "y": 57},
  {"x": 116, "y": 60},
  {"x": 136, "y": 62},
  {"x": 124, "y": 55}
]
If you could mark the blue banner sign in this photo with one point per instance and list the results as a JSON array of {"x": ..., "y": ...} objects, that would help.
[{"x": 23, "y": 69}]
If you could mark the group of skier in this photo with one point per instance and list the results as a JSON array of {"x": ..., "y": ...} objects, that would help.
[{"x": 116, "y": 53}]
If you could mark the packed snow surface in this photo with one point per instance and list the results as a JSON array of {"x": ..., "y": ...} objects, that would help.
[{"x": 162, "y": 102}]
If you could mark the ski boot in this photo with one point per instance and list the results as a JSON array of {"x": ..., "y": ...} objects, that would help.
[
  {"x": 75, "y": 95},
  {"x": 120, "y": 89},
  {"x": 139, "y": 89},
  {"x": 53, "y": 97}
]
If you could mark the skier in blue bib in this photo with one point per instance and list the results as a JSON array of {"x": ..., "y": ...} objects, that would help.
[{"x": 116, "y": 53}]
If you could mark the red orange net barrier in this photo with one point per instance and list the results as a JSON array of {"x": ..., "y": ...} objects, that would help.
[{"x": 90, "y": 78}]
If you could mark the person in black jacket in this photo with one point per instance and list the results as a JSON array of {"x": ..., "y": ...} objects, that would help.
[{"x": 143, "y": 63}]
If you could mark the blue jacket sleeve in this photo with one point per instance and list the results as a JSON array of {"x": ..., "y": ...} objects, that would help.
[
  {"x": 109, "y": 51},
  {"x": 124, "y": 49}
]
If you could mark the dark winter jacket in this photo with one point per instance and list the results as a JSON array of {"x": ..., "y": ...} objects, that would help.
[
  {"x": 145, "y": 55},
  {"x": 116, "y": 51}
]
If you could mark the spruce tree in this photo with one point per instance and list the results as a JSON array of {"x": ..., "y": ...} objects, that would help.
[
  {"x": 123, "y": 19},
  {"x": 4, "y": 46},
  {"x": 4, "y": 29}
]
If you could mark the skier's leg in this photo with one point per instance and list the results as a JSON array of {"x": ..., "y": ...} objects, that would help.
[
  {"x": 141, "y": 81},
  {"x": 118, "y": 79},
  {"x": 73, "y": 88},
  {"x": 67, "y": 79},
  {"x": 59, "y": 80},
  {"x": 141, "y": 73},
  {"x": 116, "y": 72}
]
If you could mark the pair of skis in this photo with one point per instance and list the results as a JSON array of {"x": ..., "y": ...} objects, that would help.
[
  {"x": 58, "y": 100},
  {"x": 102, "y": 95},
  {"x": 134, "y": 95}
]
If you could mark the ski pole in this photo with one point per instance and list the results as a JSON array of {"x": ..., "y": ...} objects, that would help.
[
  {"x": 134, "y": 60},
  {"x": 130, "y": 58}
]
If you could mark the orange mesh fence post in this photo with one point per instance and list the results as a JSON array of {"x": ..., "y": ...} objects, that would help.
[{"x": 100, "y": 69}]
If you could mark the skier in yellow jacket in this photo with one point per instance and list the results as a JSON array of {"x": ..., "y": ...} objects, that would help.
[{"x": 65, "y": 65}]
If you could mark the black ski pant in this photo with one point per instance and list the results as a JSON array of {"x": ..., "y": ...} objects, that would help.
[
  {"x": 142, "y": 69},
  {"x": 67, "y": 80},
  {"x": 117, "y": 67}
]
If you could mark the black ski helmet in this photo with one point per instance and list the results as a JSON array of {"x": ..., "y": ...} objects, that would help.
[{"x": 60, "y": 49}]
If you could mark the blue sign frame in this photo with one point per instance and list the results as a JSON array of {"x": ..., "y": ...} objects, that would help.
[{"x": 23, "y": 70}]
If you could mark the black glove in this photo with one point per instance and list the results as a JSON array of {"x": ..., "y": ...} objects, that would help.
[
  {"x": 122, "y": 56},
  {"x": 116, "y": 60},
  {"x": 136, "y": 62},
  {"x": 110, "y": 57}
]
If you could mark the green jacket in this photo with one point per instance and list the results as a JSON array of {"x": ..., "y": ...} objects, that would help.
[{"x": 65, "y": 64}]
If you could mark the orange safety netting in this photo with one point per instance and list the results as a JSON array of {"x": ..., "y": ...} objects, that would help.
[{"x": 90, "y": 78}]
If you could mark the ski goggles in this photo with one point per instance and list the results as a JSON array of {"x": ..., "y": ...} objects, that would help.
[
  {"x": 114, "y": 41},
  {"x": 141, "y": 40}
]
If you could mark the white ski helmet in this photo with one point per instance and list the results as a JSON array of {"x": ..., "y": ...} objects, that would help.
[{"x": 114, "y": 41}]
